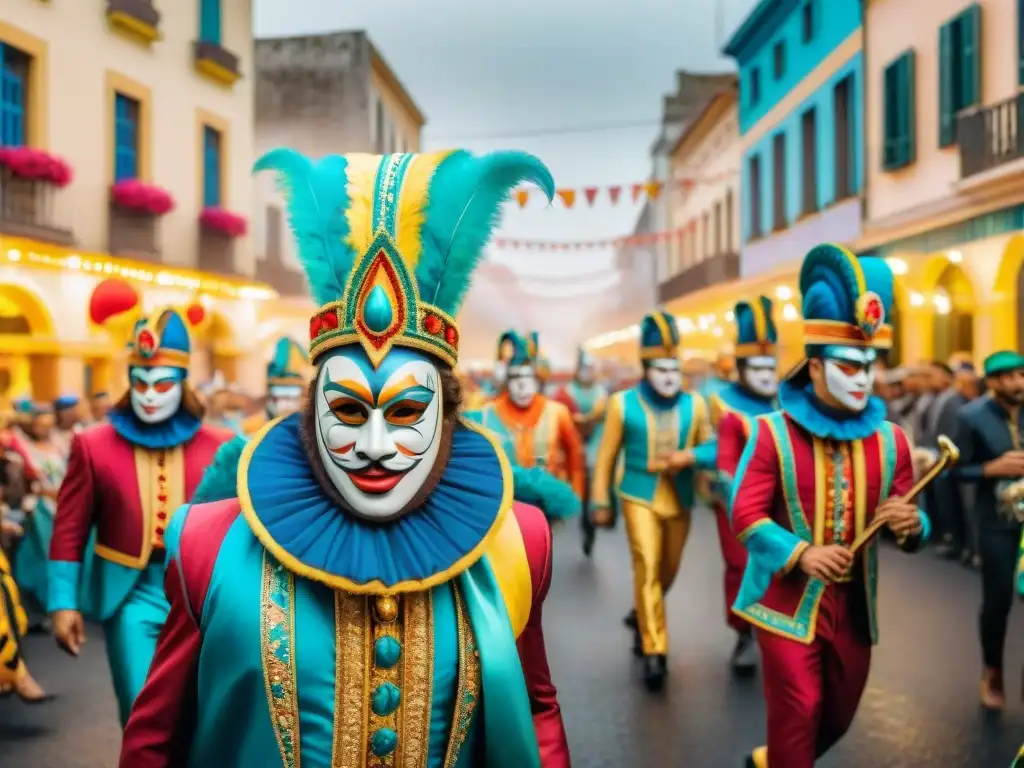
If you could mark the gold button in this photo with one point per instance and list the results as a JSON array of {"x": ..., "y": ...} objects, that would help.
[{"x": 385, "y": 608}]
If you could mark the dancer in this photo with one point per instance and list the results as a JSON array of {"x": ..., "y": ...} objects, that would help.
[
  {"x": 125, "y": 478},
  {"x": 535, "y": 429},
  {"x": 992, "y": 458},
  {"x": 586, "y": 399},
  {"x": 734, "y": 406},
  {"x": 657, "y": 427},
  {"x": 810, "y": 480},
  {"x": 286, "y": 384},
  {"x": 363, "y": 599}
]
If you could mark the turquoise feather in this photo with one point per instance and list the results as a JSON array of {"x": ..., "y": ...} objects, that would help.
[
  {"x": 316, "y": 196},
  {"x": 463, "y": 209},
  {"x": 220, "y": 479},
  {"x": 540, "y": 488}
]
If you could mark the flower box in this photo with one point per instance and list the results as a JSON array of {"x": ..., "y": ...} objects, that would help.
[
  {"x": 133, "y": 195},
  {"x": 36, "y": 165},
  {"x": 223, "y": 222}
]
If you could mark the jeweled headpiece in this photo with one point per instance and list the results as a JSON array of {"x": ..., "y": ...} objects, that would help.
[
  {"x": 389, "y": 244},
  {"x": 160, "y": 340},
  {"x": 756, "y": 335},
  {"x": 287, "y": 366},
  {"x": 659, "y": 336}
]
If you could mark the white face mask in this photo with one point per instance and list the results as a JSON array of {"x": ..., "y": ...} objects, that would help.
[
  {"x": 850, "y": 379},
  {"x": 500, "y": 372},
  {"x": 378, "y": 431},
  {"x": 761, "y": 375},
  {"x": 523, "y": 385},
  {"x": 283, "y": 399},
  {"x": 156, "y": 393},
  {"x": 665, "y": 376}
]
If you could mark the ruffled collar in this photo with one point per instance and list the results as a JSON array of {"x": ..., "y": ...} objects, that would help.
[
  {"x": 304, "y": 530},
  {"x": 737, "y": 398},
  {"x": 175, "y": 431},
  {"x": 800, "y": 404}
]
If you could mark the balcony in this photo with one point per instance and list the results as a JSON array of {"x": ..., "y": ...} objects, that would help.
[
  {"x": 216, "y": 62},
  {"x": 135, "y": 19},
  {"x": 216, "y": 253},
  {"x": 31, "y": 208},
  {"x": 711, "y": 271},
  {"x": 134, "y": 235},
  {"x": 991, "y": 143}
]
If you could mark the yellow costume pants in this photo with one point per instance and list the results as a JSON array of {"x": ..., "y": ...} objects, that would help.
[
  {"x": 13, "y": 624},
  {"x": 656, "y": 544}
]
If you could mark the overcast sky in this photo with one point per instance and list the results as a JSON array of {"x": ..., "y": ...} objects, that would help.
[{"x": 519, "y": 75}]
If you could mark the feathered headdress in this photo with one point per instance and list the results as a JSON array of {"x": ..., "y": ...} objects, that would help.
[
  {"x": 755, "y": 329},
  {"x": 287, "y": 366},
  {"x": 389, "y": 244}
]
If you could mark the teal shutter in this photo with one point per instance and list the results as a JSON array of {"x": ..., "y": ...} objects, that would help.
[
  {"x": 970, "y": 57},
  {"x": 947, "y": 126},
  {"x": 209, "y": 21},
  {"x": 900, "y": 103},
  {"x": 909, "y": 100}
]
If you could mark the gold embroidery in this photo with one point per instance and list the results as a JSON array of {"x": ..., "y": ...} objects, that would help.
[
  {"x": 417, "y": 681},
  {"x": 352, "y": 680},
  {"x": 277, "y": 645},
  {"x": 467, "y": 695}
]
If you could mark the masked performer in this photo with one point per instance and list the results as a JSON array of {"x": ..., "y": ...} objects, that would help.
[
  {"x": 125, "y": 479},
  {"x": 657, "y": 427},
  {"x": 812, "y": 477},
  {"x": 586, "y": 399},
  {"x": 286, "y": 383},
  {"x": 373, "y": 596},
  {"x": 734, "y": 407},
  {"x": 537, "y": 431}
]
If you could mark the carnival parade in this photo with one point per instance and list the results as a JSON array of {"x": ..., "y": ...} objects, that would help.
[{"x": 334, "y": 438}]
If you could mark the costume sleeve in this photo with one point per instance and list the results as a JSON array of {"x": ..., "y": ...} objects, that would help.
[
  {"x": 159, "y": 729},
  {"x": 970, "y": 468},
  {"x": 773, "y": 549},
  {"x": 705, "y": 445},
  {"x": 547, "y": 715},
  {"x": 902, "y": 482},
  {"x": 731, "y": 440},
  {"x": 607, "y": 454},
  {"x": 71, "y": 526},
  {"x": 575, "y": 460}
]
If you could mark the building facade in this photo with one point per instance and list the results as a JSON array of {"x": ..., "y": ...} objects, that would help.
[
  {"x": 133, "y": 135},
  {"x": 944, "y": 198}
]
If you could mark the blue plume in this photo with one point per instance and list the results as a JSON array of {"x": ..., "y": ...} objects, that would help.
[
  {"x": 464, "y": 204},
  {"x": 878, "y": 277},
  {"x": 540, "y": 488},
  {"x": 828, "y": 284},
  {"x": 220, "y": 478},
  {"x": 316, "y": 197}
]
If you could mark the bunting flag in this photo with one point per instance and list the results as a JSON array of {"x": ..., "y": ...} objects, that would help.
[
  {"x": 641, "y": 190},
  {"x": 630, "y": 241}
]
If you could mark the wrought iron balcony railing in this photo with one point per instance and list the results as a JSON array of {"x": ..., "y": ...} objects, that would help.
[
  {"x": 711, "y": 271},
  {"x": 991, "y": 136},
  {"x": 33, "y": 209},
  {"x": 134, "y": 234}
]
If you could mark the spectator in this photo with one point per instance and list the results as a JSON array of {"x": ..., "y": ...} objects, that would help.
[{"x": 942, "y": 498}]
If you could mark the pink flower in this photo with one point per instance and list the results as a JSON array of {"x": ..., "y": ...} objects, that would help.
[
  {"x": 224, "y": 222},
  {"x": 134, "y": 195},
  {"x": 36, "y": 165}
]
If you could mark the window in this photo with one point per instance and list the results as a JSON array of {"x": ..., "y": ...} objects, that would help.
[
  {"x": 842, "y": 105},
  {"x": 718, "y": 228},
  {"x": 809, "y": 157},
  {"x": 959, "y": 70},
  {"x": 209, "y": 21},
  {"x": 779, "y": 59},
  {"x": 779, "y": 181},
  {"x": 706, "y": 244},
  {"x": 755, "y": 86},
  {"x": 379, "y": 125},
  {"x": 728, "y": 222},
  {"x": 898, "y": 82},
  {"x": 808, "y": 20},
  {"x": 126, "y": 137},
  {"x": 755, "y": 197},
  {"x": 13, "y": 93},
  {"x": 212, "y": 191}
]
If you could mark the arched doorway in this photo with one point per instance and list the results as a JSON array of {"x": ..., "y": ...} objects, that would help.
[
  {"x": 24, "y": 323},
  {"x": 954, "y": 305}
]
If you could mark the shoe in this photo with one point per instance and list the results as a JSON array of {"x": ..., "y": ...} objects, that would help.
[
  {"x": 588, "y": 543},
  {"x": 993, "y": 697},
  {"x": 744, "y": 655},
  {"x": 758, "y": 758},
  {"x": 630, "y": 620},
  {"x": 655, "y": 670}
]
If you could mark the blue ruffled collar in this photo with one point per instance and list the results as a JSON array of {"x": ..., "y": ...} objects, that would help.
[
  {"x": 800, "y": 404},
  {"x": 177, "y": 430},
  {"x": 304, "y": 530},
  {"x": 737, "y": 398}
]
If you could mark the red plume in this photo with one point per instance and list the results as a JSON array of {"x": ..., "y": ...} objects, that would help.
[
  {"x": 195, "y": 313},
  {"x": 111, "y": 298}
]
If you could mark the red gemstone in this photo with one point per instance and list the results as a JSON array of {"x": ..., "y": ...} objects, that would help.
[
  {"x": 162, "y": 515},
  {"x": 314, "y": 328},
  {"x": 433, "y": 324},
  {"x": 451, "y": 335},
  {"x": 146, "y": 343},
  {"x": 329, "y": 320},
  {"x": 162, "y": 498},
  {"x": 160, "y": 530}
]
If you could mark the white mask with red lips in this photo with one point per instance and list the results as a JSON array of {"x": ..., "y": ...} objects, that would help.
[
  {"x": 156, "y": 393},
  {"x": 850, "y": 376}
]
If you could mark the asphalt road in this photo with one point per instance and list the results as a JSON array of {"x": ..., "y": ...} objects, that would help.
[{"x": 920, "y": 709}]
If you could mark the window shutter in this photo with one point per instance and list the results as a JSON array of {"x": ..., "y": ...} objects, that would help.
[
  {"x": 909, "y": 101},
  {"x": 209, "y": 21},
  {"x": 970, "y": 56},
  {"x": 947, "y": 127}
]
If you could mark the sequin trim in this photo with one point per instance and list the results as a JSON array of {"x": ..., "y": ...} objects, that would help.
[
  {"x": 277, "y": 643},
  {"x": 417, "y": 680},
  {"x": 468, "y": 692},
  {"x": 351, "y": 680}
]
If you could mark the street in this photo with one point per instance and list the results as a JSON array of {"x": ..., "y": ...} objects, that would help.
[{"x": 920, "y": 708}]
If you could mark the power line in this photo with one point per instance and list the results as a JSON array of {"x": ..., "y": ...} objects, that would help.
[{"x": 568, "y": 130}]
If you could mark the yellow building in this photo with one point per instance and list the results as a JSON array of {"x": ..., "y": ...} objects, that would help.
[
  {"x": 944, "y": 200},
  {"x": 124, "y": 92}
]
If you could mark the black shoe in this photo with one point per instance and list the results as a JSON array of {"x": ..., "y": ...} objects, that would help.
[
  {"x": 638, "y": 644},
  {"x": 630, "y": 620},
  {"x": 655, "y": 670},
  {"x": 588, "y": 542},
  {"x": 750, "y": 762},
  {"x": 744, "y": 656}
]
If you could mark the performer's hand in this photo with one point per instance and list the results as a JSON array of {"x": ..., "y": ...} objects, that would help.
[
  {"x": 827, "y": 563},
  {"x": 1009, "y": 465},
  {"x": 601, "y": 517},
  {"x": 11, "y": 529},
  {"x": 69, "y": 629},
  {"x": 680, "y": 460},
  {"x": 902, "y": 517}
]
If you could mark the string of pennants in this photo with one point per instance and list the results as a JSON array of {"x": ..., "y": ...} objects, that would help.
[
  {"x": 650, "y": 190},
  {"x": 629, "y": 241}
]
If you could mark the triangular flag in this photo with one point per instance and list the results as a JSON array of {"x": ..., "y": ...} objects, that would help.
[
  {"x": 591, "y": 194},
  {"x": 568, "y": 196},
  {"x": 613, "y": 194},
  {"x": 653, "y": 189},
  {"x": 522, "y": 195},
  {"x": 637, "y": 189}
]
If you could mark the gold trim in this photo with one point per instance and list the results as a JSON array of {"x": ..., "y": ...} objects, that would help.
[
  {"x": 280, "y": 672},
  {"x": 467, "y": 693},
  {"x": 417, "y": 681},
  {"x": 755, "y": 349},
  {"x": 219, "y": 74},
  {"x": 116, "y": 83},
  {"x": 351, "y": 680},
  {"x": 375, "y": 587},
  {"x": 659, "y": 353},
  {"x": 860, "y": 490},
  {"x": 131, "y": 28},
  {"x": 38, "y": 98},
  {"x": 216, "y": 123},
  {"x": 820, "y": 499}
]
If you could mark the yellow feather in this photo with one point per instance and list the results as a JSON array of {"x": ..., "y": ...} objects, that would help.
[
  {"x": 362, "y": 175},
  {"x": 760, "y": 321},
  {"x": 412, "y": 204}
]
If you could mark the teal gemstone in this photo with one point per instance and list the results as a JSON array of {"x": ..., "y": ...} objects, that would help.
[
  {"x": 383, "y": 742},
  {"x": 385, "y": 699},
  {"x": 377, "y": 310},
  {"x": 386, "y": 652}
]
